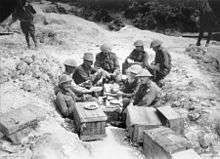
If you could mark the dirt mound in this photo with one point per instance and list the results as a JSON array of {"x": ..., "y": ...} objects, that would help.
[
  {"x": 201, "y": 56},
  {"x": 34, "y": 72}
]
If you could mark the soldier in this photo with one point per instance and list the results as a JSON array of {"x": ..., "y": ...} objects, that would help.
[
  {"x": 130, "y": 84},
  {"x": 206, "y": 21},
  {"x": 147, "y": 92},
  {"x": 70, "y": 67},
  {"x": 162, "y": 62},
  {"x": 138, "y": 56},
  {"x": 108, "y": 62},
  {"x": 85, "y": 75},
  {"x": 25, "y": 13},
  {"x": 80, "y": 92},
  {"x": 65, "y": 98}
]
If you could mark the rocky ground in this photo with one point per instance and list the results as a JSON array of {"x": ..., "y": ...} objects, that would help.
[{"x": 28, "y": 76}]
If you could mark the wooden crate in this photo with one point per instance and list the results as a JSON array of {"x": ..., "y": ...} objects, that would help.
[
  {"x": 162, "y": 142},
  {"x": 187, "y": 154},
  {"x": 90, "y": 124},
  {"x": 171, "y": 119},
  {"x": 112, "y": 113},
  {"x": 139, "y": 119}
]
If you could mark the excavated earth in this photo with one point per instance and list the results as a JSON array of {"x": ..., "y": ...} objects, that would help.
[{"x": 29, "y": 76}]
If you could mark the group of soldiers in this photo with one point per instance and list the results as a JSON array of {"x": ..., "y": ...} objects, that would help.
[{"x": 139, "y": 81}]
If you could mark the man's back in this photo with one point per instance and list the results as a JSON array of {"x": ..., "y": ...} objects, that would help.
[{"x": 25, "y": 13}]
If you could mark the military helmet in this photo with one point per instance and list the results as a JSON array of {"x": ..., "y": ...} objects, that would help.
[
  {"x": 88, "y": 56},
  {"x": 135, "y": 69},
  {"x": 155, "y": 43},
  {"x": 70, "y": 62},
  {"x": 65, "y": 78},
  {"x": 144, "y": 73},
  {"x": 138, "y": 43},
  {"x": 106, "y": 48}
]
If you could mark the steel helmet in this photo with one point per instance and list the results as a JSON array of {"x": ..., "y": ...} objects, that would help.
[
  {"x": 144, "y": 73},
  {"x": 135, "y": 69},
  {"x": 155, "y": 43},
  {"x": 105, "y": 48},
  {"x": 65, "y": 78},
  {"x": 138, "y": 43},
  {"x": 88, "y": 56},
  {"x": 70, "y": 62}
]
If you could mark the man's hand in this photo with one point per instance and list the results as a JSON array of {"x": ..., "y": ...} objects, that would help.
[{"x": 130, "y": 61}]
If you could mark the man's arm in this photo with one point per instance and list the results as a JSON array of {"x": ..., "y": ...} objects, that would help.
[
  {"x": 61, "y": 104},
  {"x": 145, "y": 61},
  {"x": 97, "y": 61},
  {"x": 166, "y": 58}
]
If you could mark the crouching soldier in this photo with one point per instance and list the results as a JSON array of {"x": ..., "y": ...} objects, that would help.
[
  {"x": 25, "y": 13},
  {"x": 65, "y": 98},
  {"x": 85, "y": 75},
  {"x": 137, "y": 56},
  {"x": 162, "y": 62},
  {"x": 107, "y": 61}
]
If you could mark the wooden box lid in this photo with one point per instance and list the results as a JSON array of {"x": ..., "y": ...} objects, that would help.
[
  {"x": 87, "y": 115},
  {"x": 142, "y": 116}
]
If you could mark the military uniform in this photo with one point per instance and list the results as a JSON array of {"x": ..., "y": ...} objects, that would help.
[
  {"x": 146, "y": 94},
  {"x": 83, "y": 74},
  {"x": 65, "y": 98},
  {"x": 163, "y": 60},
  {"x": 207, "y": 20},
  {"x": 65, "y": 102},
  {"x": 26, "y": 17},
  {"x": 129, "y": 87},
  {"x": 139, "y": 56},
  {"x": 107, "y": 61}
]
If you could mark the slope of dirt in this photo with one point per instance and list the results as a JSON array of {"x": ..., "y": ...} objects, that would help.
[{"x": 190, "y": 87}]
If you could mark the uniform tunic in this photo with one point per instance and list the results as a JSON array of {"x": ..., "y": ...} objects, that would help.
[
  {"x": 65, "y": 102},
  {"x": 163, "y": 60},
  {"x": 83, "y": 74},
  {"x": 26, "y": 17},
  {"x": 107, "y": 61},
  {"x": 138, "y": 56},
  {"x": 146, "y": 94}
]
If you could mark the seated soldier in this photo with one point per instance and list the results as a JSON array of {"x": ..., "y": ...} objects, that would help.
[
  {"x": 147, "y": 92},
  {"x": 85, "y": 75},
  {"x": 70, "y": 67},
  {"x": 137, "y": 56},
  {"x": 162, "y": 62},
  {"x": 130, "y": 84},
  {"x": 108, "y": 62},
  {"x": 65, "y": 98}
]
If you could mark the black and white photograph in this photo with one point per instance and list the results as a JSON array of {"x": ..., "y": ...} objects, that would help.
[{"x": 109, "y": 79}]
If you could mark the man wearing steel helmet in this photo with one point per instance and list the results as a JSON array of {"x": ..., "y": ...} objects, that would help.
[
  {"x": 108, "y": 62},
  {"x": 131, "y": 82},
  {"x": 137, "y": 56},
  {"x": 70, "y": 67},
  {"x": 162, "y": 62},
  {"x": 65, "y": 98},
  {"x": 147, "y": 92},
  {"x": 85, "y": 74}
]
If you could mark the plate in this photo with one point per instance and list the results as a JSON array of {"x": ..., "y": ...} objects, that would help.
[
  {"x": 96, "y": 89},
  {"x": 91, "y": 107}
]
